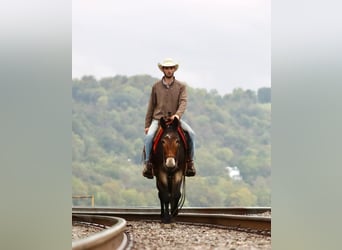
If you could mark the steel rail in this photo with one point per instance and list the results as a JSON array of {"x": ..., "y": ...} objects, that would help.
[
  {"x": 204, "y": 210},
  {"x": 226, "y": 217},
  {"x": 113, "y": 237}
]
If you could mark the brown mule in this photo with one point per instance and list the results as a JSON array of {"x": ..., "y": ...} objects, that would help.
[{"x": 169, "y": 167}]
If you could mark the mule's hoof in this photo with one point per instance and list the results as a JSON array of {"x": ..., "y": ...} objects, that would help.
[{"x": 166, "y": 220}]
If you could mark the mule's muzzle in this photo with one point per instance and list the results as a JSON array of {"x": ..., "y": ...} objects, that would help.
[{"x": 170, "y": 162}]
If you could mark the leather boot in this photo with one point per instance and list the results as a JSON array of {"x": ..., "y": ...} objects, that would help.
[
  {"x": 190, "y": 170},
  {"x": 148, "y": 170}
]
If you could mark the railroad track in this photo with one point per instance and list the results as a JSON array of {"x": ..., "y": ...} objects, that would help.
[
  {"x": 244, "y": 219},
  {"x": 111, "y": 237}
]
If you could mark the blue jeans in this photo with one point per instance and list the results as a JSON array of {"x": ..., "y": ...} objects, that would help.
[{"x": 153, "y": 129}]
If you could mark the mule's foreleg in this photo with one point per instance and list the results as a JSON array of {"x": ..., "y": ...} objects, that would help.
[
  {"x": 162, "y": 210},
  {"x": 174, "y": 204},
  {"x": 164, "y": 198},
  {"x": 176, "y": 186},
  {"x": 164, "y": 207}
]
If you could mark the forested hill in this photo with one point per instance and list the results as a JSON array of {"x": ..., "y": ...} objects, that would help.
[{"x": 107, "y": 139}]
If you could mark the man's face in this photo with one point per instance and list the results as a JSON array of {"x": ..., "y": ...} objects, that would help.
[{"x": 168, "y": 71}]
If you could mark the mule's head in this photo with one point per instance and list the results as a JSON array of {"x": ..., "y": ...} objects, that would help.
[{"x": 171, "y": 142}]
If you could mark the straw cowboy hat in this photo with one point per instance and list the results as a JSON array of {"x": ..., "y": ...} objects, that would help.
[{"x": 168, "y": 62}]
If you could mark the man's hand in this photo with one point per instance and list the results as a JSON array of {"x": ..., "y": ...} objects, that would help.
[
  {"x": 173, "y": 117},
  {"x": 146, "y": 130}
]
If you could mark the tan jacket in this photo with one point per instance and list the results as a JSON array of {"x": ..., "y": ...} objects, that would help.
[{"x": 164, "y": 100}]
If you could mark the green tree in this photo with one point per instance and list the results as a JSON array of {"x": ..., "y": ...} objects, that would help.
[{"x": 241, "y": 197}]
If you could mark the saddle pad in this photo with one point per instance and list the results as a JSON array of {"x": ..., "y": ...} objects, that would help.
[{"x": 157, "y": 138}]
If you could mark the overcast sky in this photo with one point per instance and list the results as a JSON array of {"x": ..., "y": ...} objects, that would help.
[{"x": 219, "y": 44}]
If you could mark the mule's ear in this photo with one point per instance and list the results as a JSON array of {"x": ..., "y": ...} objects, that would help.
[
  {"x": 175, "y": 122},
  {"x": 162, "y": 122}
]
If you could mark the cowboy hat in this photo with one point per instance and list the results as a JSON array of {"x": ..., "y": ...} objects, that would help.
[{"x": 168, "y": 62}]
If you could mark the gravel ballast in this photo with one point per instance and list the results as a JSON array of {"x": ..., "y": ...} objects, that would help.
[
  {"x": 155, "y": 235},
  {"x": 158, "y": 236}
]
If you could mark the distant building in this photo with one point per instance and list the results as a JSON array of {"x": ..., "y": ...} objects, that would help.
[{"x": 234, "y": 173}]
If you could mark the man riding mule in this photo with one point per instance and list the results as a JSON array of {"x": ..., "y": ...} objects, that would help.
[{"x": 168, "y": 95}]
